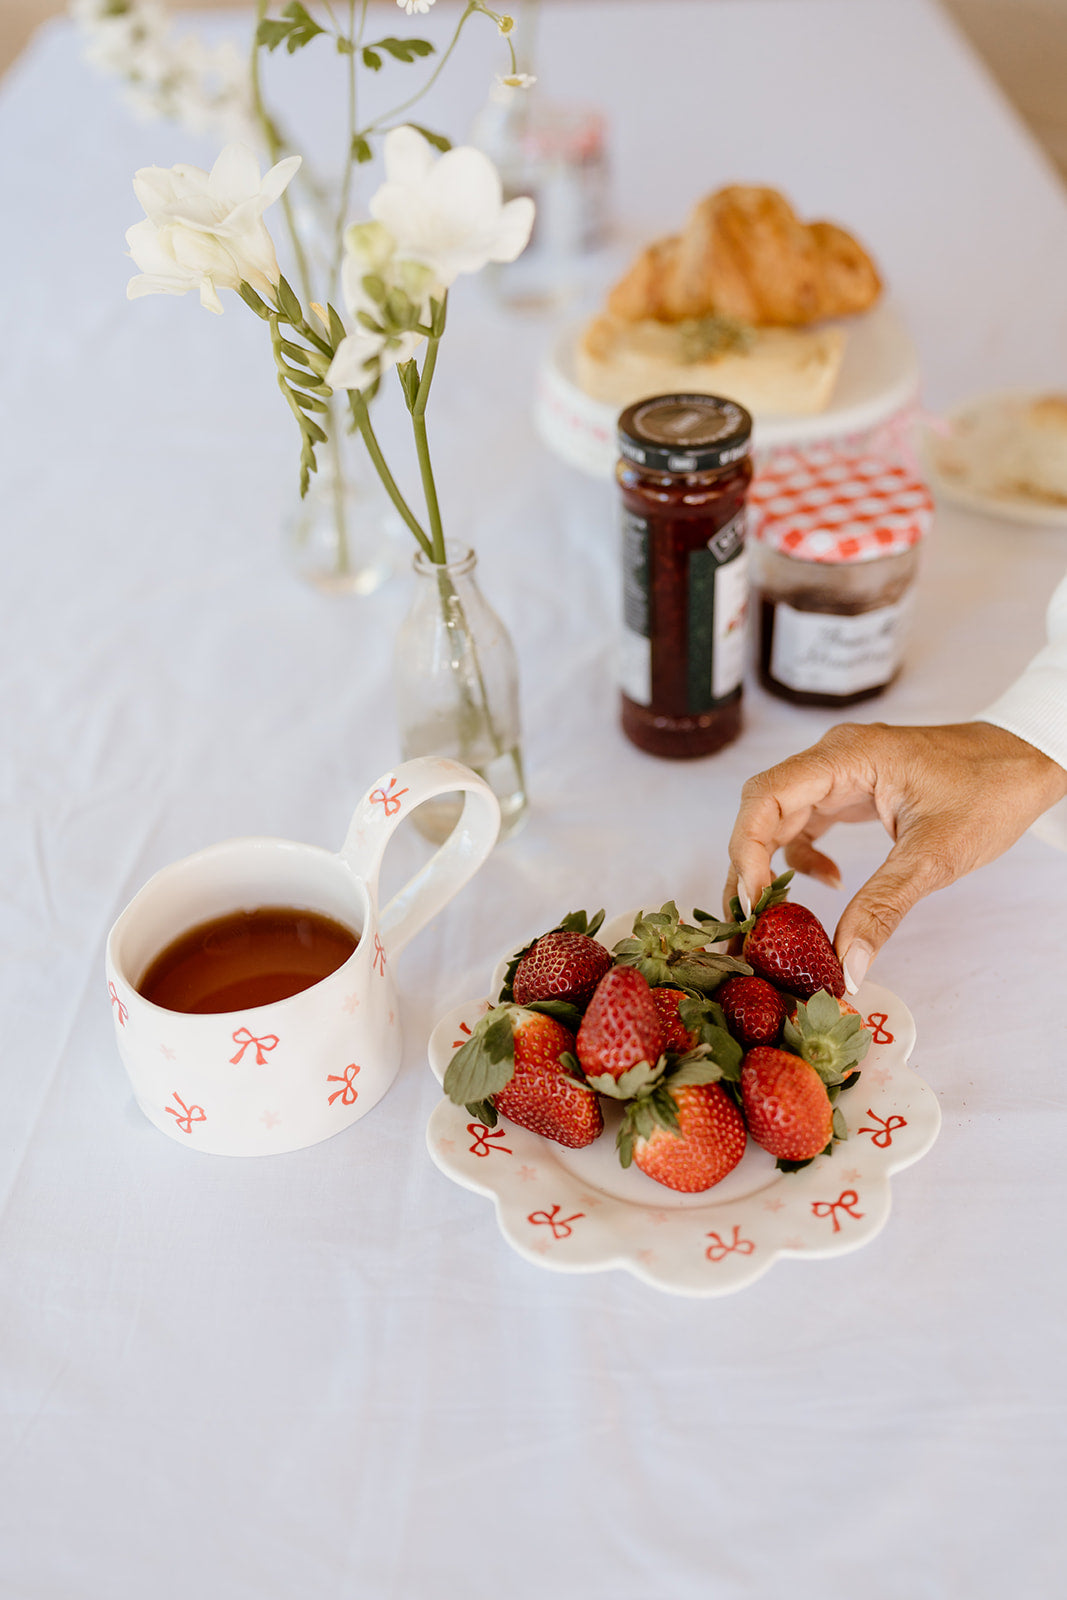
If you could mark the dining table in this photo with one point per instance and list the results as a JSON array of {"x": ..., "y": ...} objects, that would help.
[{"x": 333, "y": 1372}]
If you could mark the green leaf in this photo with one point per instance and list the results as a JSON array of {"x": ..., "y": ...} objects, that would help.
[
  {"x": 581, "y": 922},
  {"x": 840, "y": 1125},
  {"x": 405, "y": 49},
  {"x": 438, "y": 140},
  {"x": 562, "y": 1011},
  {"x": 297, "y": 29},
  {"x": 633, "y": 1081},
  {"x": 483, "y": 1111},
  {"x": 695, "y": 1069},
  {"x": 360, "y": 148},
  {"x": 485, "y": 1063},
  {"x": 345, "y": 47},
  {"x": 372, "y": 59}
]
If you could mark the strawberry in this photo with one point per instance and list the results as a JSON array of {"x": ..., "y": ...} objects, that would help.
[
  {"x": 542, "y": 1095},
  {"x": 786, "y": 1104},
  {"x": 789, "y": 946},
  {"x": 621, "y": 1030},
  {"x": 753, "y": 1008},
  {"x": 784, "y": 943},
  {"x": 517, "y": 1062},
  {"x": 697, "y": 1146},
  {"x": 829, "y": 1034},
  {"x": 561, "y": 965},
  {"x": 676, "y": 1036}
]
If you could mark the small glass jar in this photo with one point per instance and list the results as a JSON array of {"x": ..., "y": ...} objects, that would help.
[
  {"x": 836, "y": 553},
  {"x": 684, "y": 474}
]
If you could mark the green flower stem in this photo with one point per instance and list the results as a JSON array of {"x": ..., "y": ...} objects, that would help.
[
  {"x": 405, "y": 105},
  {"x": 455, "y": 620},
  {"x": 270, "y": 134},
  {"x": 355, "y": 36},
  {"x": 361, "y": 417}
]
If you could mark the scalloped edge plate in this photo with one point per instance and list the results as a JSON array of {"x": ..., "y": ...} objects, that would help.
[{"x": 578, "y": 1211}]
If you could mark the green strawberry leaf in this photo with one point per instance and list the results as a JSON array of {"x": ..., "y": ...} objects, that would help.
[
  {"x": 704, "y": 970},
  {"x": 633, "y": 1081},
  {"x": 695, "y": 1068},
  {"x": 581, "y": 922},
  {"x": 485, "y": 1063},
  {"x": 563, "y": 1011},
  {"x": 483, "y": 1111},
  {"x": 840, "y": 1126}
]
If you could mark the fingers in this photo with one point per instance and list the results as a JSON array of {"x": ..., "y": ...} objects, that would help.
[
  {"x": 913, "y": 869},
  {"x": 793, "y": 803}
]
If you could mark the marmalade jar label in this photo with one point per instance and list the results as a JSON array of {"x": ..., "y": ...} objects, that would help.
[{"x": 820, "y": 652}]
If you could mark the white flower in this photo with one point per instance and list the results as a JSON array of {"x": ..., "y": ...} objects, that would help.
[
  {"x": 518, "y": 80},
  {"x": 205, "y": 230},
  {"x": 413, "y": 6},
  {"x": 448, "y": 212},
  {"x": 370, "y": 250}
]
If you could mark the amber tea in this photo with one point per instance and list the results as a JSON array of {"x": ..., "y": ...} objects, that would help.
[{"x": 245, "y": 959}]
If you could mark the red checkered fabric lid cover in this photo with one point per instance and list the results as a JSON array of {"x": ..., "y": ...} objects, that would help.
[{"x": 820, "y": 505}]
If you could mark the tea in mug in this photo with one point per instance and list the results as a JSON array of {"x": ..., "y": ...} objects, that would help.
[{"x": 246, "y": 959}]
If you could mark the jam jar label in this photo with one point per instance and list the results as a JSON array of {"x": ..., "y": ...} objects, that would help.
[
  {"x": 635, "y": 664},
  {"x": 821, "y": 653},
  {"x": 718, "y": 607}
]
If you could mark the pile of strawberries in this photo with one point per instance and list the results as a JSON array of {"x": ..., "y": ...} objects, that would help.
[{"x": 702, "y": 1049}]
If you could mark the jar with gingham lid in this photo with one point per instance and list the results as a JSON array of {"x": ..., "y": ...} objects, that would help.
[{"x": 836, "y": 540}]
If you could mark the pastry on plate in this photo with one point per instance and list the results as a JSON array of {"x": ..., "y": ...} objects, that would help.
[
  {"x": 1009, "y": 446},
  {"x": 736, "y": 304}
]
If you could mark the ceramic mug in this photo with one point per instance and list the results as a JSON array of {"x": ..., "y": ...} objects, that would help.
[{"x": 282, "y": 1076}]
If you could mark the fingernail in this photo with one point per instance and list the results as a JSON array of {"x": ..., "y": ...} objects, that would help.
[
  {"x": 745, "y": 899},
  {"x": 855, "y": 965}
]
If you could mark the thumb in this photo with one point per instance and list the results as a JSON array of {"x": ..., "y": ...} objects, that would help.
[{"x": 908, "y": 873}]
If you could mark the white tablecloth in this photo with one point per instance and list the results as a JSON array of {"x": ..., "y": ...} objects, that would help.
[{"x": 326, "y": 1374}]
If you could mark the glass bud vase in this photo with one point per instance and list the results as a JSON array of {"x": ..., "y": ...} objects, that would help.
[
  {"x": 345, "y": 537},
  {"x": 457, "y": 690}
]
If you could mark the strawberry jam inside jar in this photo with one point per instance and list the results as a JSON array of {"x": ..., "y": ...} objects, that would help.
[{"x": 684, "y": 473}]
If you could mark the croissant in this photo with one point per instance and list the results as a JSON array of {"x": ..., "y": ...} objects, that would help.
[{"x": 745, "y": 254}]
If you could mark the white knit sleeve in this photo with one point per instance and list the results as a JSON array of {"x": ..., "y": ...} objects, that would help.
[{"x": 1034, "y": 707}]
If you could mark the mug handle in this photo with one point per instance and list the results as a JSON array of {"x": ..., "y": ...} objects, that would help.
[{"x": 379, "y": 813}]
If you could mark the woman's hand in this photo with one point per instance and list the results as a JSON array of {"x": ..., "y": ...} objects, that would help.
[{"x": 950, "y": 798}]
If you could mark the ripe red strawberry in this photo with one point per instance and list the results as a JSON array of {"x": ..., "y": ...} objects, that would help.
[
  {"x": 788, "y": 946},
  {"x": 541, "y": 1095},
  {"x": 786, "y": 1105},
  {"x": 753, "y": 1008},
  {"x": 621, "y": 1026},
  {"x": 560, "y": 966},
  {"x": 676, "y": 1036},
  {"x": 708, "y": 1143}
]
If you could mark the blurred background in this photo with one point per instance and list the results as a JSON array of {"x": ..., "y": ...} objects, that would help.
[{"x": 1022, "y": 42}]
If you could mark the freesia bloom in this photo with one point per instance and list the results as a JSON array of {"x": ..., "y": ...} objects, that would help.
[
  {"x": 365, "y": 354},
  {"x": 518, "y": 80},
  {"x": 448, "y": 211},
  {"x": 413, "y": 6},
  {"x": 205, "y": 230}
]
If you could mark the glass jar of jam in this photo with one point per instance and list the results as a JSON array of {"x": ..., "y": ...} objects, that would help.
[
  {"x": 684, "y": 474},
  {"x": 836, "y": 552}
]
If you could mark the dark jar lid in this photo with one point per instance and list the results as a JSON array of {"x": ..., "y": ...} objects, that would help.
[{"x": 684, "y": 432}]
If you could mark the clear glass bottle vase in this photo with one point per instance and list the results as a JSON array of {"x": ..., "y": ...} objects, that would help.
[{"x": 457, "y": 689}]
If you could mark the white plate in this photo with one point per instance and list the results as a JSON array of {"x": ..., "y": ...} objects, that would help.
[
  {"x": 579, "y": 1211},
  {"x": 879, "y": 379},
  {"x": 1014, "y": 507}
]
